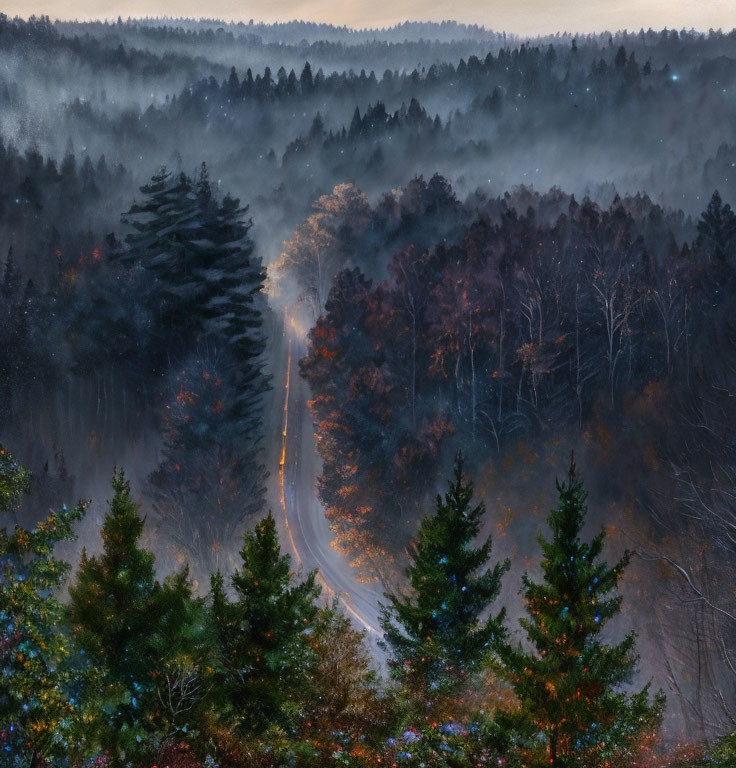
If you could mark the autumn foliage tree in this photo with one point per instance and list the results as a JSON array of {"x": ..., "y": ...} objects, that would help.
[
  {"x": 345, "y": 702},
  {"x": 539, "y": 314},
  {"x": 322, "y": 245}
]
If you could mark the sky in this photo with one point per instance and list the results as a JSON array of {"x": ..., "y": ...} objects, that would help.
[{"x": 525, "y": 17}]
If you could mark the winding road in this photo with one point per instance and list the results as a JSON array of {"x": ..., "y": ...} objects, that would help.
[{"x": 306, "y": 526}]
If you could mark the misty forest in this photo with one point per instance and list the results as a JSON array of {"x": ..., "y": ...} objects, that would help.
[{"x": 367, "y": 397}]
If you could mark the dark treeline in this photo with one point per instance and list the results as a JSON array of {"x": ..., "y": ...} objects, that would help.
[
  {"x": 133, "y": 671},
  {"x": 619, "y": 99},
  {"x": 170, "y": 323},
  {"x": 39, "y": 32},
  {"x": 47, "y": 208},
  {"x": 527, "y": 69},
  {"x": 298, "y": 32},
  {"x": 332, "y": 47}
]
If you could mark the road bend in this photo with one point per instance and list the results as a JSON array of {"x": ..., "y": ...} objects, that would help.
[{"x": 306, "y": 525}]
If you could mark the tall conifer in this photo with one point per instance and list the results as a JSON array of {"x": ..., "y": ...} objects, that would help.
[
  {"x": 570, "y": 683},
  {"x": 264, "y": 633},
  {"x": 436, "y": 637}
]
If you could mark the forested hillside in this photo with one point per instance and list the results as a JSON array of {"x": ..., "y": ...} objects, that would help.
[{"x": 282, "y": 282}]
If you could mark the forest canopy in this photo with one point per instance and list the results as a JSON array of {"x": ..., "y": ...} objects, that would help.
[{"x": 282, "y": 282}]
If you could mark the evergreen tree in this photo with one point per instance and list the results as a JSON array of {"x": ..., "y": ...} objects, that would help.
[
  {"x": 317, "y": 130},
  {"x": 208, "y": 284},
  {"x": 24, "y": 350},
  {"x": 39, "y": 708},
  {"x": 721, "y": 755},
  {"x": 435, "y": 635},
  {"x": 356, "y": 124},
  {"x": 717, "y": 229},
  {"x": 231, "y": 279},
  {"x": 200, "y": 468},
  {"x": 159, "y": 255},
  {"x": 11, "y": 277},
  {"x": 206, "y": 279},
  {"x": 162, "y": 224},
  {"x": 149, "y": 641},
  {"x": 222, "y": 613},
  {"x": 569, "y": 685},
  {"x": 306, "y": 80},
  {"x": 620, "y": 61},
  {"x": 183, "y": 647},
  {"x": 112, "y": 596},
  {"x": 264, "y": 634},
  {"x": 233, "y": 84},
  {"x": 113, "y": 611}
]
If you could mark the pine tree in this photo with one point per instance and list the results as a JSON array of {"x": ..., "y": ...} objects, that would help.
[
  {"x": 183, "y": 647},
  {"x": 233, "y": 84},
  {"x": 222, "y": 613},
  {"x": 159, "y": 254},
  {"x": 113, "y": 612},
  {"x": 264, "y": 634},
  {"x": 356, "y": 124},
  {"x": 163, "y": 223},
  {"x": 436, "y": 637},
  {"x": 11, "y": 277},
  {"x": 209, "y": 284},
  {"x": 149, "y": 640},
  {"x": 569, "y": 685},
  {"x": 231, "y": 279},
  {"x": 620, "y": 60},
  {"x": 306, "y": 80},
  {"x": 112, "y": 597},
  {"x": 197, "y": 253},
  {"x": 717, "y": 229},
  {"x": 38, "y": 706}
]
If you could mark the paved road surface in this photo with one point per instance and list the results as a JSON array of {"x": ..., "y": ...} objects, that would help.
[{"x": 304, "y": 518}]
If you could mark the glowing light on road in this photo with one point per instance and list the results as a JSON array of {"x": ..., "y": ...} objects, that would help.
[
  {"x": 282, "y": 460},
  {"x": 282, "y": 488}
]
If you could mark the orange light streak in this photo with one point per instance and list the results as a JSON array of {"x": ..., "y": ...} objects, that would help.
[
  {"x": 282, "y": 460},
  {"x": 282, "y": 488}
]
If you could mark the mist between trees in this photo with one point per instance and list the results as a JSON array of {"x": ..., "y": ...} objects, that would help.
[{"x": 506, "y": 247}]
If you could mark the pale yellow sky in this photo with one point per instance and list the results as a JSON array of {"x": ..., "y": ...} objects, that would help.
[{"x": 526, "y": 17}]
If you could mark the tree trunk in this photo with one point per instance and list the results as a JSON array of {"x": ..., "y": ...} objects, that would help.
[{"x": 553, "y": 749}]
